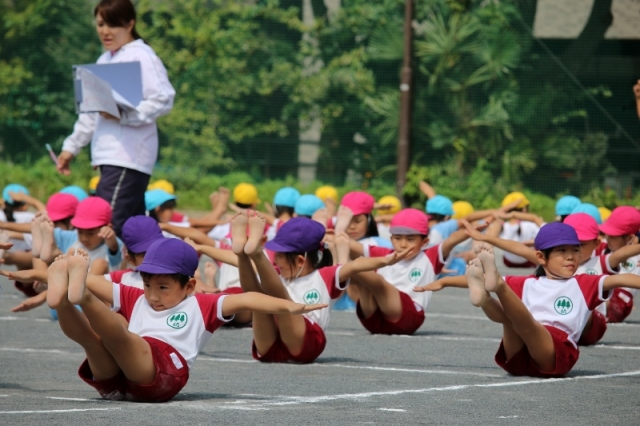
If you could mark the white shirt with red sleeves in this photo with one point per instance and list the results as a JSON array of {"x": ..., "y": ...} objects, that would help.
[
  {"x": 522, "y": 231},
  {"x": 631, "y": 267},
  {"x": 320, "y": 286},
  {"x": 127, "y": 277},
  {"x": 597, "y": 265},
  {"x": 186, "y": 327},
  {"x": 409, "y": 273},
  {"x": 563, "y": 304}
]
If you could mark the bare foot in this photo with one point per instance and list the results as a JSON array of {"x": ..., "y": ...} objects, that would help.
[
  {"x": 48, "y": 242},
  {"x": 210, "y": 270},
  {"x": 343, "y": 220},
  {"x": 320, "y": 216},
  {"x": 58, "y": 279},
  {"x": 36, "y": 235},
  {"x": 475, "y": 281},
  {"x": 214, "y": 198},
  {"x": 256, "y": 234},
  {"x": 239, "y": 233},
  {"x": 491, "y": 277},
  {"x": 78, "y": 268}
]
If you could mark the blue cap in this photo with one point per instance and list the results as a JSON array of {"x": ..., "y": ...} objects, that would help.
[
  {"x": 297, "y": 235},
  {"x": 13, "y": 187},
  {"x": 589, "y": 209},
  {"x": 156, "y": 197},
  {"x": 170, "y": 256},
  {"x": 286, "y": 197},
  {"x": 307, "y": 205},
  {"x": 566, "y": 204},
  {"x": 555, "y": 234},
  {"x": 139, "y": 232},
  {"x": 76, "y": 191},
  {"x": 439, "y": 205}
]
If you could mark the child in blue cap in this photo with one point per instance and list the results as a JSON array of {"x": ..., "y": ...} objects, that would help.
[
  {"x": 544, "y": 315},
  {"x": 305, "y": 274},
  {"x": 284, "y": 203},
  {"x": 149, "y": 359}
]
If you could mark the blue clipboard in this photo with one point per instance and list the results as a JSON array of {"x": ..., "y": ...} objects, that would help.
[{"x": 124, "y": 77}]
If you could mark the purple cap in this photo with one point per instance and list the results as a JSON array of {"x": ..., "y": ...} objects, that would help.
[
  {"x": 555, "y": 234},
  {"x": 138, "y": 232},
  {"x": 297, "y": 235},
  {"x": 170, "y": 256}
]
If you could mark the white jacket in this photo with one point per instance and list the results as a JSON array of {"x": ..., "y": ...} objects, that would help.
[{"x": 132, "y": 142}]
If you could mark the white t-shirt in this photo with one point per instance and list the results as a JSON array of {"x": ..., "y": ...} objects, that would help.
[
  {"x": 409, "y": 273},
  {"x": 631, "y": 267},
  {"x": 320, "y": 286},
  {"x": 186, "y": 327},
  {"x": 563, "y": 304},
  {"x": 127, "y": 277},
  {"x": 20, "y": 217},
  {"x": 521, "y": 232},
  {"x": 597, "y": 265}
]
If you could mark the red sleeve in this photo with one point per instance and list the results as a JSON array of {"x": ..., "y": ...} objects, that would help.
[
  {"x": 128, "y": 298},
  {"x": 177, "y": 217},
  {"x": 602, "y": 248},
  {"x": 116, "y": 276},
  {"x": 209, "y": 305},
  {"x": 434, "y": 254},
  {"x": 591, "y": 287},
  {"x": 330, "y": 224},
  {"x": 375, "y": 251},
  {"x": 330, "y": 277},
  {"x": 604, "y": 264},
  {"x": 516, "y": 284}
]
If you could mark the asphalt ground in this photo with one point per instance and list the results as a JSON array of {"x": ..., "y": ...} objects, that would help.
[{"x": 443, "y": 374}]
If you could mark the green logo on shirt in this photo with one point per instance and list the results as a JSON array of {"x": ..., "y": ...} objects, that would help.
[
  {"x": 177, "y": 320},
  {"x": 591, "y": 272},
  {"x": 563, "y": 305},
  {"x": 414, "y": 275},
  {"x": 628, "y": 266},
  {"x": 311, "y": 297}
]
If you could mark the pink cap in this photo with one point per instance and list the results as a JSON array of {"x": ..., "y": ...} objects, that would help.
[
  {"x": 359, "y": 202},
  {"x": 586, "y": 226},
  {"x": 409, "y": 222},
  {"x": 61, "y": 206},
  {"x": 624, "y": 220},
  {"x": 92, "y": 212}
]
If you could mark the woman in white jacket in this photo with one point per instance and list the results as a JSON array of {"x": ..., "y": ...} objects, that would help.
[{"x": 124, "y": 149}]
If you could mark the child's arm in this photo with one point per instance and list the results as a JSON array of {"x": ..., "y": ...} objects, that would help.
[
  {"x": 636, "y": 91},
  {"x": 23, "y": 228},
  {"x": 31, "y": 303},
  {"x": 258, "y": 302},
  {"x": 515, "y": 247},
  {"x": 16, "y": 235},
  {"x": 355, "y": 249},
  {"x": 364, "y": 264},
  {"x": 218, "y": 254},
  {"x": 26, "y": 275},
  {"x": 459, "y": 281},
  {"x": 27, "y": 199},
  {"x": 101, "y": 288},
  {"x": 623, "y": 254},
  {"x": 427, "y": 189},
  {"x": 453, "y": 240},
  {"x": 198, "y": 236},
  {"x": 203, "y": 222},
  {"x": 529, "y": 217}
]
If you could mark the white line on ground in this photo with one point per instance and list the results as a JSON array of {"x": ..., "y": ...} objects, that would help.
[
  {"x": 622, "y": 324},
  {"x": 469, "y": 317},
  {"x": 397, "y": 410},
  {"x": 71, "y": 410},
  {"x": 340, "y": 333},
  {"x": 631, "y": 348},
  {"x": 44, "y": 351},
  {"x": 76, "y": 399}
]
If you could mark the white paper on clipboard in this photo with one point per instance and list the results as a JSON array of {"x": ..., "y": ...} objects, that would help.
[{"x": 96, "y": 94}]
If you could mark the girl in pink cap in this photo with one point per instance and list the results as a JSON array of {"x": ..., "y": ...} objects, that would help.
[
  {"x": 305, "y": 274},
  {"x": 387, "y": 302}
]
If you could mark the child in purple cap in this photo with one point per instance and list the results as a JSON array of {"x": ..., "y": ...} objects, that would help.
[
  {"x": 387, "y": 302},
  {"x": 542, "y": 316},
  {"x": 149, "y": 359},
  {"x": 304, "y": 275}
]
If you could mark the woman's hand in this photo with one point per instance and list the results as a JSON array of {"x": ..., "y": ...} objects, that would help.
[{"x": 64, "y": 160}]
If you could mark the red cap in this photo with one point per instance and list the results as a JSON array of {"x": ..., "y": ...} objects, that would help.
[
  {"x": 624, "y": 220},
  {"x": 61, "y": 206},
  {"x": 359, "y": 202},
  {"x": 409, "y": 222},
  {"x": 586, "y": 226},
  {"x": 92, "y": 213}
]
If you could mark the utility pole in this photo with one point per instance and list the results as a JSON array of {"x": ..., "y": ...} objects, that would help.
[{"x": 405, "y": 102}]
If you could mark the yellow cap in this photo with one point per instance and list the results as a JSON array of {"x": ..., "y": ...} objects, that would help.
[
  {"x": 327, "y": 191},
  {"x": 392, "y": 201},
  {"x": 93, "y": 183},
  {"x": 163, "y": 184},
  {"x": 461, "y": 209},
  {"x": 245, "y": 193},
  {"x": 514, "y": 196},
  {"x": 604, "y": 213}
]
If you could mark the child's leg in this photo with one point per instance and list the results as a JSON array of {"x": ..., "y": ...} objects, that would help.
[
  {"x": 210, "y": 270},
  {"x": 36, "y": 235},
  {"x": 130, "y": 351},
  {"x": 74, "y": 325},
  {"x": 375, "y": 292},
  {"x": 99, "y": 267},
  {"x": 534, "y": 335},
  {"x": 292, "y": 328}
]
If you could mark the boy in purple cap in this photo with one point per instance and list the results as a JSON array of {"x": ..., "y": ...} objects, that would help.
[
  {"x": 148, "y": 360},
  {"x": 542, "y": 316},
  {"x": 305, "y": 274}
]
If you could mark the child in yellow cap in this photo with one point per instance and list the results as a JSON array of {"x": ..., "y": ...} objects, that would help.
[{"x": 387, "y": 207}]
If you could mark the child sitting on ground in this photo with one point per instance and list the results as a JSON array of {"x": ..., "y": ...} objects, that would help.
[{"x": 149, "y": 359}]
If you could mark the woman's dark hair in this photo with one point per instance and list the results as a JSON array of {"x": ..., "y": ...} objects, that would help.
[
  {"x": 9, "y": 208},
  {"x": 169, "y": 204},
  {"x": 372, "y": 227},
  {"x": 182, "y": 279},
  {"x": 540, "y": 272},
  {"x": 279, "y": 210},
  {"x": 117, "y": 13},
  {"x": 313, "y": 257}
]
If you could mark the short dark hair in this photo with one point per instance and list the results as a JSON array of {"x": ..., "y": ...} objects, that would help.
[
  {"x": 437, "y": 217},
  {"x": 182, "y": 279},
  {"x": 540, "y": 272},
  {"x": 117, "y": 13},
  {"x": 279, "y": 210},
  {"x": 169, "y": 204}
]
